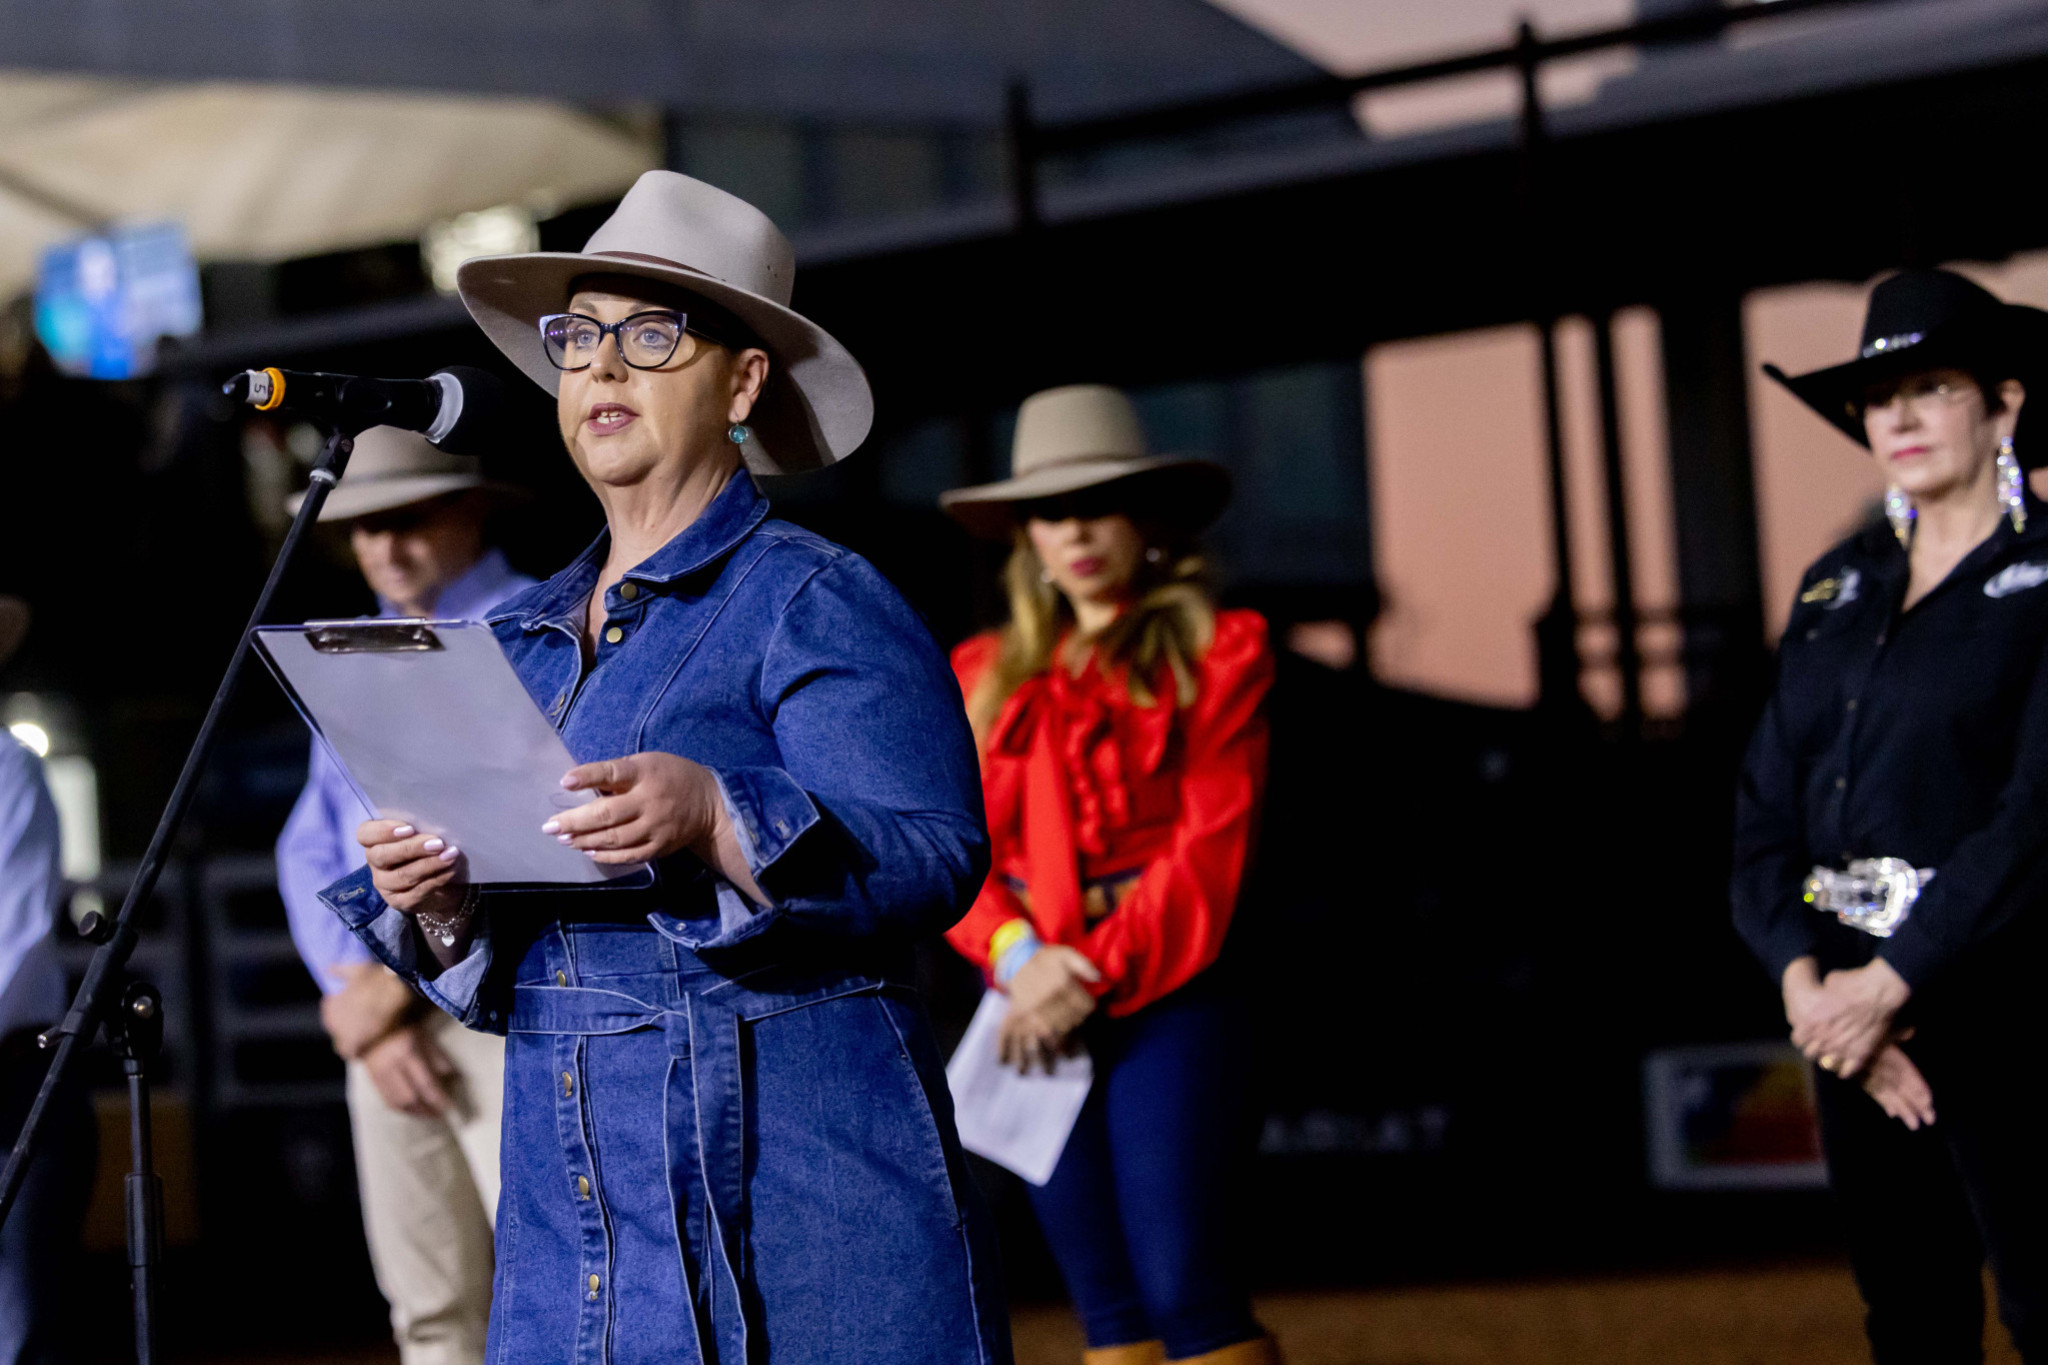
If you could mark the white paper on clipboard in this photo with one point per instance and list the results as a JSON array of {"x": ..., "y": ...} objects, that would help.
[{"x": 433, "y": 727}]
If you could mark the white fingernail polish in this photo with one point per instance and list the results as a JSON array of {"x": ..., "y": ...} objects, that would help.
[
  {"x": 449, "y": 854},
  {"x": 564, "y": 838},
  {"x": 404, "y": 832},
  {"x": 434, "y": 845},
  {"x": 551, "y": 827}
]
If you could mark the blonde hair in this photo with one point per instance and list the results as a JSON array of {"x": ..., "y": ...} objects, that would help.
[{"x": 1168, "y": 626}]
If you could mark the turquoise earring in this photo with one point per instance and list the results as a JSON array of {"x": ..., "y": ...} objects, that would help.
[{"x": 737, "y": 433}]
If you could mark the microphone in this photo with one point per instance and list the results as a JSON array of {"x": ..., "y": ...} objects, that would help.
[{"x": 455, "y": 408}]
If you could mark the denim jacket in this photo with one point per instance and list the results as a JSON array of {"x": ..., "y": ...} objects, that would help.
[{"x": 792, "y": 670}]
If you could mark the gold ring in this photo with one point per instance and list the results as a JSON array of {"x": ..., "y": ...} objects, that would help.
[{"x": 1827, "y": 1061}]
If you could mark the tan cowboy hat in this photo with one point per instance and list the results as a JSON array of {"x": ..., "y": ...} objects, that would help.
[
  {"x": 816, "y": 407},
  {"x": 1080, "y": 436},
  {"x": 13, "y": 625},
  {"x": 395, "y": 468}
]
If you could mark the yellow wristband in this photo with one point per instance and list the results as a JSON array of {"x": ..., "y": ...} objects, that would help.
[{"x": 1005, "y": 938}]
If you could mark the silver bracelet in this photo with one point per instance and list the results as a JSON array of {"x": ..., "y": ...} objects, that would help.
[{"x": 448, "y": 928}]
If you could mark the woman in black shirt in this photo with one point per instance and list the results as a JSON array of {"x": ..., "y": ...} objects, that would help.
[{"x": 1891, "y": 861}]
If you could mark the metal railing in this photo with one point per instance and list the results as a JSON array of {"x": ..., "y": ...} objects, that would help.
[
  {"x": 1561, "y": 665},
  {"x": 1032, "y": 141}
]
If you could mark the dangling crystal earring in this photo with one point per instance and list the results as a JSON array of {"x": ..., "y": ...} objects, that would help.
[
  {"x": 1154, "y": 555},
  {"x": 2012, "y": 486},
  {"x": 1045, "y": 576},
  {"x": 737, "y": 433},
  {"x": 1898, "y": 510}
]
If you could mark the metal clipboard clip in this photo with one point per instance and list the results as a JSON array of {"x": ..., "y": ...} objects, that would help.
[{"x": 371, "y": 637}]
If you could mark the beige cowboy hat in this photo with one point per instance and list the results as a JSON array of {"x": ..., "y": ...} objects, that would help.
[
  {"x": 816, "y": 407},
  {"x": 13, "y": 625},
  {"x": 1080, "y": 436},
  {"x": 395, "y": 468}
]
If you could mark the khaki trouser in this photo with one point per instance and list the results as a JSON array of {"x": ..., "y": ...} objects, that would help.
[{"x": 430, "y": 1197}]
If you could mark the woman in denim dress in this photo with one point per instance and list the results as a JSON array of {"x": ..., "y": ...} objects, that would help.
[{"x": 727, "y": 1134}]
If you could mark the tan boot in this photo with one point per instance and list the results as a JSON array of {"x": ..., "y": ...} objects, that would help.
[
  {"x": 1264, "y": 1351},
  {"x": 1137, "y": 1353}
]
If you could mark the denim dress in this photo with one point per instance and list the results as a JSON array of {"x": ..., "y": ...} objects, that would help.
[{"x": 727, "y": 1131}]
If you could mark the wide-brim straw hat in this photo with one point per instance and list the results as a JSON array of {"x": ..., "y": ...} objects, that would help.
[
  {"x": 393, "y": 468},
  {"x": 816, "y": 407},
  {"x": 14, "y": 618},
  {"x": 1920, "y": 320},
  {"x": 1084, "y": 436}
]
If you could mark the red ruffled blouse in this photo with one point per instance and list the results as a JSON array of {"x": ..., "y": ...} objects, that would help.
[{"x": 1119, "y": 829}]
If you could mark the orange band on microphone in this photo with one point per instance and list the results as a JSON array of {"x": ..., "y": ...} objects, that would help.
[{"x": 276, "y": 390}]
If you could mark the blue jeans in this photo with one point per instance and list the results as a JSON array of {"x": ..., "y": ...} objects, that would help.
[{"x": 1140, "y": 1212}]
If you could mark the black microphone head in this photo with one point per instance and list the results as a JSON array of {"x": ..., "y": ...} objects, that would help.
[{"x": 472, "y": 411}]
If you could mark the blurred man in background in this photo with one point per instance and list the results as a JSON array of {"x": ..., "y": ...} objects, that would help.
[
  {"x": 424, "y": 1095},
  {"x": 41, "y": 1235}
]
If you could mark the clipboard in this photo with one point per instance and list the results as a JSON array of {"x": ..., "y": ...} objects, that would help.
[{"x": 431, "y": 726}]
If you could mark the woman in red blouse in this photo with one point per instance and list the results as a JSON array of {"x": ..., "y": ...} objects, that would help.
[{"x": 1121, "y": 724}]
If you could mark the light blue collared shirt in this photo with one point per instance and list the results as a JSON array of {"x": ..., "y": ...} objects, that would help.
[
  {"x": 318, "y": 845},
  {"x": 31, "y": 880}
]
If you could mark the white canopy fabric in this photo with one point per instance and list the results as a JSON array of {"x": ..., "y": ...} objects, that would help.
[{"x": 265, "y": 172}]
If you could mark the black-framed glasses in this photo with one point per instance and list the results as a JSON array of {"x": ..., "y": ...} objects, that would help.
[{"x": 647, "y": 341}]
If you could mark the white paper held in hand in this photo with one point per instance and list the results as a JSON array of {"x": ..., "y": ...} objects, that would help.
[{"x": 1019, "y": 1122}]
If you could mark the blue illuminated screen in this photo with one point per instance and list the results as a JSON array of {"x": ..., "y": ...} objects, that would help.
[{"x": 103, "y": 301}]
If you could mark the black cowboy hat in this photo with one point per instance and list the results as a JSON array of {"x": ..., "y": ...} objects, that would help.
[{"x": 1922, "y": 320}]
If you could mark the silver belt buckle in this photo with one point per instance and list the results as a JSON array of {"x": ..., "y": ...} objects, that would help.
[{"x": 1874, "y": 895}]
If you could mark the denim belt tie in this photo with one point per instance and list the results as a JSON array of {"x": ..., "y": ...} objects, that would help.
[{"x": 705, "y": 1027}]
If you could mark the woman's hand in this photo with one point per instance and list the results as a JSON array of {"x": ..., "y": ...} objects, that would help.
[
  {"x": 1898, "y": 1087},
  {"x": 1852, "y": 1019},
  {"x": 418, "y": 874},
  {"x": 654, "y": 804},
  {"x": 412, "y": 871},
  {"x": 1801, "y": 986},
  {"x": 1047, "y": 1003}
]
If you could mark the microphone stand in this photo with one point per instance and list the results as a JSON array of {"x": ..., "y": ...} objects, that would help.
[{"x": 135, "y": 1026}]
